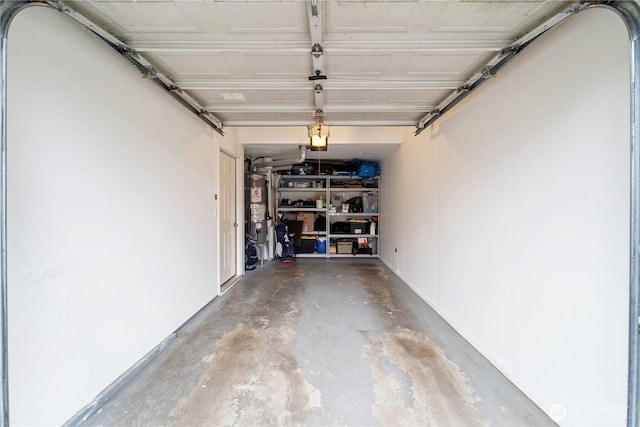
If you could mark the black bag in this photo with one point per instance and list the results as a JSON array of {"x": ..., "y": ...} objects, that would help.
[
  {"x": 250, "y": 255},
  {"x": 355, "y": 204},
  {"x": 345, "y": 169},
  {"x": 284, "y": 245},
  {"x": 303, "y": 169},
  {"x": 325, "y": 170},
  {"x": 340, "y": 227},
  {"x": 320, "y": 224}
]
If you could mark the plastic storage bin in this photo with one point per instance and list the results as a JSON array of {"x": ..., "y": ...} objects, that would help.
[
  {"x": 307, "y": 244},
  {"x": 358, "y": 226},
  {"x": 321, "y": 245}
]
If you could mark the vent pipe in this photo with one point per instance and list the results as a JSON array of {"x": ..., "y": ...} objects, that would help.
[{"x": 264, "y": 163}]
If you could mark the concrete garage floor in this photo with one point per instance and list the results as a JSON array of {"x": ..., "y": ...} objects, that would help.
[{"x": 317, "y": 342}]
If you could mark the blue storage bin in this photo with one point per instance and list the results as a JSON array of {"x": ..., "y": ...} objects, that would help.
[{"x": 321, "y": 245}]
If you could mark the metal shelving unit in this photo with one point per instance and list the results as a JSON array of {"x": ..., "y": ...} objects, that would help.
[{"x": 305, "y": 189}]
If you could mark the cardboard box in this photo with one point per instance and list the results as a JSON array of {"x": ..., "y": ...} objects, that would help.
[
  {"x": 345, "y": 246},
  {"x": 307, "y": 221}
]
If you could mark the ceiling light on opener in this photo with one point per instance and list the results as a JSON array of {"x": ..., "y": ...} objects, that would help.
[{"x": 319, "y": 135}]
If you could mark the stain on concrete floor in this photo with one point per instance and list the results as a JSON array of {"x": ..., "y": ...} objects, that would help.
[
  {"x": 250, "y": 379},
  {"x": 415, "y": 383},
  {"x": 340, "y": 342}
]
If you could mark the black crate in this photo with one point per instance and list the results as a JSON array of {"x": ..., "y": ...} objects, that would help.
[
  {"x": 358, "y": 227},
  {"x": 307, "y": 245}
]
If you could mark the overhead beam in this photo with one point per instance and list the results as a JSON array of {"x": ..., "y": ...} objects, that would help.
[
  {"x": 227, "y": 85},
  {"x": 271, "y": 123},
  {"x": 169, "y": 46},
  {"x": 270, "y": 108}
]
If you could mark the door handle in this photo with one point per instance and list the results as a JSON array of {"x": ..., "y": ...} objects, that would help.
[{"x": 235, "y": 224}]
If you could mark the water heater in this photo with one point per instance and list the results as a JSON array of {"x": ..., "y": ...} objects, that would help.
[{"x": 255, "y": 190}]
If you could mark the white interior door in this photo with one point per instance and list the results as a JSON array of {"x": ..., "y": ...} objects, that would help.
[{"x": 228, "y": 217}]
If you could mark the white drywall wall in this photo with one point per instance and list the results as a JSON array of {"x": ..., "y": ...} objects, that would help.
[
  {"x": 511, "y": 218},
  {"x": 112, "y": 222}
]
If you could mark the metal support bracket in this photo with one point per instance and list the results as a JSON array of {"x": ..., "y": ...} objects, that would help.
[
  {"x": 126, "y": 50},
  {"x": 488, "y": 72},
  {"x": 150, "y": 72}
]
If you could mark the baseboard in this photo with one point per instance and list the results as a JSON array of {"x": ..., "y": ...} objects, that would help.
[
  {"x": 504, "y": 368},
  {"x": 82, "y": 415}
]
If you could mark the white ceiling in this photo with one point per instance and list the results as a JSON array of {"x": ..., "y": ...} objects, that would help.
[{"x": 386, "y": 62}]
